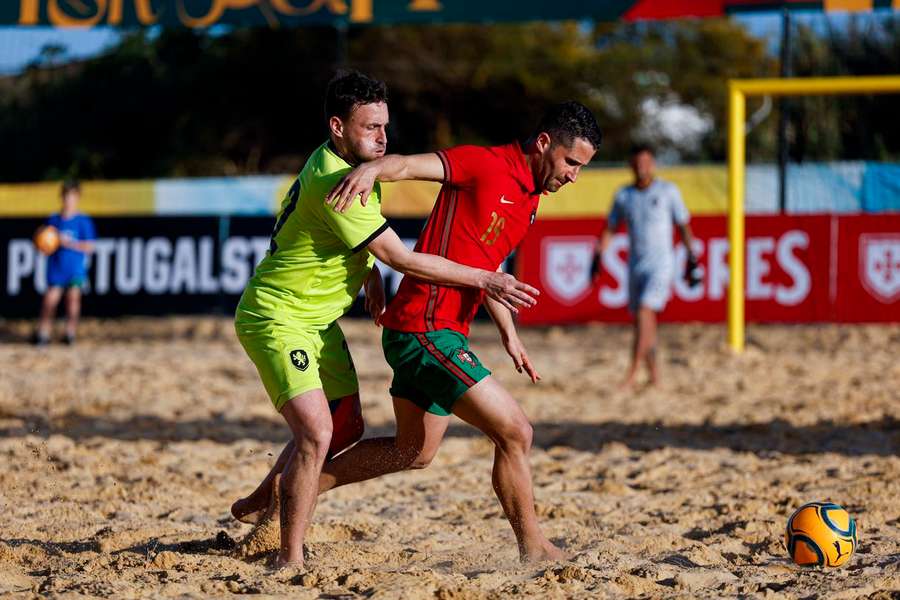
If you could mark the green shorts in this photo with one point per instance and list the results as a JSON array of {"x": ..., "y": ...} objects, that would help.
[
  {"x": 292, "y": 360},
  {"x": 431, "y": 369}
]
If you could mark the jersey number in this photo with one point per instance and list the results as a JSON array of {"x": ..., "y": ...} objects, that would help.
[
  {"x": 293, "y": 196},
  {"x": 493, "y": 231}
]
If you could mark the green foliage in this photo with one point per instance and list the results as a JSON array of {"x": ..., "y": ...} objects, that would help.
[{"x": 182, "y": 103}]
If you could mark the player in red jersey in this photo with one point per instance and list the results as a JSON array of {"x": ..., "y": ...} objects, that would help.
[{"x": 488, "y": 200}]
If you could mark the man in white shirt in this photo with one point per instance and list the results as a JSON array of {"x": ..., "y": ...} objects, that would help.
[{"x": 649, "y": 207}]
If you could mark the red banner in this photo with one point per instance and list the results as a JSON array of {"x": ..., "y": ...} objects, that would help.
[{"x": 798, "y": 269}]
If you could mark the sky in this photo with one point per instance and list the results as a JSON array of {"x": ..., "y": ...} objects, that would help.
[{"x": 19, "y": 47}]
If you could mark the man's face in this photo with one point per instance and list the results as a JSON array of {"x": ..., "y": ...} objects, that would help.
[
  {"x": 365, "y": 131},
  {"x": 643, "y": 166},
  {"x": 561, "y": 165}
]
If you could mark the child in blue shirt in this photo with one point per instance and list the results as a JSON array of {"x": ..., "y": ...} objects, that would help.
[{"x": 67, "y": 267}]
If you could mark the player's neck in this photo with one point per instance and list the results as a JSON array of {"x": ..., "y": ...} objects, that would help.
[
  {"x": 643, "y": 184},
  {"x": 343, "y": 152},
  {"x": 68, "y": 214}
]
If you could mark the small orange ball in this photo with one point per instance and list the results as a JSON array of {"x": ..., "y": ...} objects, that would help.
[
  {"x": 46, "y": 239},
  {"x": 821, "y": 534}
]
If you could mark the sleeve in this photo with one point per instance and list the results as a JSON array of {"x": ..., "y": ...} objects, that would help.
[
  {"x": 680, "y": 214},
  {"x": 88, "y": 233},
  {"x": 463, "y": 165},
  {"x": 615, "y": 213},
  {"x": 360, "y": 224}
]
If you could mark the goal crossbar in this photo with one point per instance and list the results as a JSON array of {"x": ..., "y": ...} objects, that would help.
[{"x": 738, "y": 91}]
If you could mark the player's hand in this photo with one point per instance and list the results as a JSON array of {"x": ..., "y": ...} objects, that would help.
[
  {"x": 66, "y": 240},
  {"x": 516, "y": 349},
  {"x": 358, "y": 182},
  {"x": 596, "y": 265},
  {"x": 691, "y": 271},
  {"x": 375, "y": 299},
  {"x": 509, "y": 291}
]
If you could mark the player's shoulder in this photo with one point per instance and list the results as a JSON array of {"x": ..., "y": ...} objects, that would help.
[
  {"x": 623, "y": 193},
  {"x": 665, "y": 186}
]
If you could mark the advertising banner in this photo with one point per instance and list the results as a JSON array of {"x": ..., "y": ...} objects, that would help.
[
  {"x": 799, "y": 269},
  {"x": 154, "y": 265}
]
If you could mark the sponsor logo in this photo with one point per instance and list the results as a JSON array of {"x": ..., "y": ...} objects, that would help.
[
  {"x": 879, "y": 265},
  {"x": 566, "y": 266},
  {"x": 300, "y": 359},
  {"x": 503, "y": 200}
]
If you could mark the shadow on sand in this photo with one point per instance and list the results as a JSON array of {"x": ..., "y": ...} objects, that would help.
[{"x": 881, "y": 437}]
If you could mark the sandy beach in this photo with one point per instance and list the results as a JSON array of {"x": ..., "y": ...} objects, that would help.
[{"x": 120, "y": 457}]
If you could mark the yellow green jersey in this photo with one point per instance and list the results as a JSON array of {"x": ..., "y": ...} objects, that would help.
[{"x": 317, "y": 260}]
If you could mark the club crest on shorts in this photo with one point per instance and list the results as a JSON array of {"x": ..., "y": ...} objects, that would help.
[
  {"x": 465, "y": 357},
  {"x": 300, "y": 359}
]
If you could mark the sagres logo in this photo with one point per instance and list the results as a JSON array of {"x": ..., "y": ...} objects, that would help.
[
  {"x": 879, "y": 265},
  {"x": 465, "y": 357},
  {"x": 566, "y": 266},
  {"x": 300, "y": 359}
]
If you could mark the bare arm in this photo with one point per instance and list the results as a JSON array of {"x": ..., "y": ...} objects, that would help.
[
  {"x": 67, "y": 242},
  {"x": 506, "y": 289},
  {"x": 605, "y": 240},
  {"x": 393, "y": 167},
  {"x": 510, "y": 337},
  {"x": 687, "y": 238}
]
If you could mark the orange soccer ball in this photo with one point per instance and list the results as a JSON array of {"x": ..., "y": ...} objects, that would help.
[
  {"x": 46, "y": 239},
  {"x": 821, "y": 534}
]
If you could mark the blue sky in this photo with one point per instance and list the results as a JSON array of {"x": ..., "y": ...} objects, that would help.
[{"x": 20, "y": 46}]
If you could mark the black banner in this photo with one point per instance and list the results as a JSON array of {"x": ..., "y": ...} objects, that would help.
[{"x": 155, "y": 265}]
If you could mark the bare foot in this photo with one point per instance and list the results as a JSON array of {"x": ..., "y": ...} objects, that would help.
[
  {"x": 542, "y": 552},
  {"x": 265, "y": 537},
  {"x": 250, "y": 509},
  {"x": 284, "y": 564},
  {"x": 627, "y": 384}
]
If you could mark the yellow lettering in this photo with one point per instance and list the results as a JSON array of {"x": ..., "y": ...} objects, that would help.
[
  {"x": 425, "y": 6},
  {"x": 215, "y": 13},
  {"x": 287, "y": 7},
  {"x": 143, "y": 9},
  {"x": 361, "y": 11},
  {"x": 61, "y": 18},
  {"x": 29, "y": 12}
]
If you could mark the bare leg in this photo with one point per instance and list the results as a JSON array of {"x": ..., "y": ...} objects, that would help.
[
  {"x": 419, "y": 435},
  {"x": 48, "y": 311},
  {"x": 630, "y": 375},
  {"x": 643, "y": 348},
  {"x": 348, "y": 428},
  {"x": 73, "y": 311},
  {"x": 250, "y": 509},
  {"x": 310, "y": 422},
  {"x": 490, "y": 408},
  {"x": 648, "y": 343}
]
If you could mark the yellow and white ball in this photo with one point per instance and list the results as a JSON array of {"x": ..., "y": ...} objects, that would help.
[{"x": 821, "y": 534}]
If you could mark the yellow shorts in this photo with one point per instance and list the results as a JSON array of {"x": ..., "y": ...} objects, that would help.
[{"x": 292, "y": 360}]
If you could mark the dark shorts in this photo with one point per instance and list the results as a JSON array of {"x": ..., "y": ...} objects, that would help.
[{"x": 431, "y": 369}]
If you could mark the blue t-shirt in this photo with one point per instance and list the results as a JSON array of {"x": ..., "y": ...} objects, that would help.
[
  {"x": 67, "y": 261},
  {"x": 649, "y": 215}
]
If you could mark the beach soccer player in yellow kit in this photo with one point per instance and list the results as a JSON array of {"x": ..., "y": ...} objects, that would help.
[{"x": 318, "y": 261}]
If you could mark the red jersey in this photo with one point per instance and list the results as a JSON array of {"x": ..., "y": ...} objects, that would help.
[{"x": 483, "y": 211}]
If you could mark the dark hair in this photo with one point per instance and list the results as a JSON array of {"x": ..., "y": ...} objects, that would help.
[
  {"x": 349, "y": 89},
  {"x": 70, "y": 185},
  {"x": 569, "y": 120},
  {"x": 639, "y": 148}
]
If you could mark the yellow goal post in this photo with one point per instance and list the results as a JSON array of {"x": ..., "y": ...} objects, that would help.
[{"x": 738, "y": 91}]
